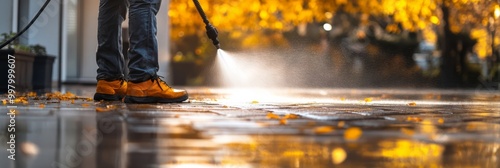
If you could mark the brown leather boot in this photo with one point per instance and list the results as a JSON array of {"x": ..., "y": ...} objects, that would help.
[
  {"x": 110, "y": 90},
  {"x": 154, "y": 91}
]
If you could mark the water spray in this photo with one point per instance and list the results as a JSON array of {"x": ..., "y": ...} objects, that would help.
[{"x": 211, "y": 30}]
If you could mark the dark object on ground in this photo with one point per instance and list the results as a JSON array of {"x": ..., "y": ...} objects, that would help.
[{"x": 42, "y": 73}]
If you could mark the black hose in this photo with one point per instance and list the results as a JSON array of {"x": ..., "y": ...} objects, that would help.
[
  {"x": 211, "y": 30},
  {"x": 27, "y": 26},
  {"x": 200, "y": 10}
]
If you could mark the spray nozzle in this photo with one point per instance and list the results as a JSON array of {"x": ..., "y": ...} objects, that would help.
[
  {"x": 211, "y": 30},
  {"x": 212, "y": 34}
]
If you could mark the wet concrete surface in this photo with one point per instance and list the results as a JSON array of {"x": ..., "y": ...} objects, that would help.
[{"x": 296, "y": 128}]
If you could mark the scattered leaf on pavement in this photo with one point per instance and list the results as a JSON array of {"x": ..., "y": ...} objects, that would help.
[
  {"x": 338, "y": 155},
  {"x": 414, "y": 119},
  {"x": 407, "y": 131},
  {"x": 340, "y": 124},
  {"x": 283, "y": 121},
  {"x": 101, "y": 109},
  {"x": 31, "y": 94},
  {"x": 440, "y": 120},
  {"x": 272, "y": 116},
  {"x": 352, "y": 133},
  {"x": 291, "y": 116},
  {"x": 368, "y": 99},
  {"x": 323, "y": 129}
]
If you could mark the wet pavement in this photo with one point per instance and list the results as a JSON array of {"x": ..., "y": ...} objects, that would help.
[{"x": 246, "y": 128}]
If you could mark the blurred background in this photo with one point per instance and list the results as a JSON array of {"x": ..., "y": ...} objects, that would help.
[
  {"x": 293, "y": 43},
  {"x": 339, "y": 43}
]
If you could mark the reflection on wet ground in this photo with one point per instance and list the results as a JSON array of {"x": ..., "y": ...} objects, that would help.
[{"x": 261, "y": 128}]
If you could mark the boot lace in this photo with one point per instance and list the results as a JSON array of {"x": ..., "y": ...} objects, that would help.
[{"x": 159, "y": 81}]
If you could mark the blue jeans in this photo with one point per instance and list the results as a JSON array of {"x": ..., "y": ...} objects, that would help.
[{"x": 143, "y": 51}]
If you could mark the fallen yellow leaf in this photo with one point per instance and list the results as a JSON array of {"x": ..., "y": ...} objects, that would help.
[
  {"x": 41, "y": 105},
  {"x": 352, "y": 133},
  {"x": 272, "y": 116},
  {"x": 85, "y": 105},
  {"x": 100, "y": 109},
  {"x": 69, "y": 95},
  {"x": 338, "y": 155},
  {"x": 31, "y": 94},
  {"x": 283, "y": 121},
  {"x": 412, "y": 104},
  {"x": 341, "y": 124},
  {"x": 255, "y": 102},
  {"x": 440, "y": 120},
  {"x": 368, "y": 99},
  {"x": 414, "y": 119},
  {"x": 407, "y": 131},
  {"x": 323, "y": 129},
  {"x": 291, "y": 116}
]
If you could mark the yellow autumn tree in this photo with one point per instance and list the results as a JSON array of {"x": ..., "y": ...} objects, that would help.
[
  {"x": 240, "y": 16},
  {"x": 465, "y": 26},
  {"x": 463, "y": 23}
]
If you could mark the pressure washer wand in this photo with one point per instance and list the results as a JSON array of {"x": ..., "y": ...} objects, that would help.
[{"x": 211, "y": 30}]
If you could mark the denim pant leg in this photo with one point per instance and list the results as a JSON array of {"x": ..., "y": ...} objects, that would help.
[
  {"x": 109, "y": 56},
  {"x": 143, "y": 52}
]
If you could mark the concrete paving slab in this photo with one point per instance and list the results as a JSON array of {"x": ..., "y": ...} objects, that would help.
[{"x": 290, "y": 127}]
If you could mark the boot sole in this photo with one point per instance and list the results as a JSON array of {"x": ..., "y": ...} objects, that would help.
[
  {"x": 107, "y": 97},
  {"x": 146, "y": 100}
]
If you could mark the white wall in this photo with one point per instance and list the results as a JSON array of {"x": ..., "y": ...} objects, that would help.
[
  {"x": 45, "y": 31},
  {"x": 6, "y": 16},
  {"x": 163, "y": 41},
  {"x": 88, "y": 37},
  {"x": 71, "y": 39}
]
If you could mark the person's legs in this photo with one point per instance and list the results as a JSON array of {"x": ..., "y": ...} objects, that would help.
[
  {"x": 143, "y": 52},
  {"x": 144, "y": 85},
  {"x": 109, "y": 57}
]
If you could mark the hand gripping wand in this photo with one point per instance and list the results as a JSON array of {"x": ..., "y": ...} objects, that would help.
[{"x": 211, "y": 30}]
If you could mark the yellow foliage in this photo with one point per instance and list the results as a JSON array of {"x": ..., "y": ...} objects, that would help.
[
  {"x": 242, "y": 18},
  {"x": 429, "y": 35},
  {"x": 482, "y": 47},
  {"x": 251, "y": 15}
]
